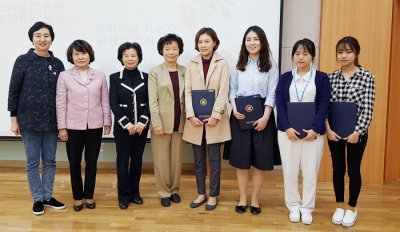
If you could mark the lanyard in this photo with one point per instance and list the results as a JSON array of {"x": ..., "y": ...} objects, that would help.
[{"x": 295, "y": 86}]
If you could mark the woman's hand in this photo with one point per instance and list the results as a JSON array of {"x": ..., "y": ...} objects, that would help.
[
  {"x": 158, "y": 130},
  {"x": 238, "y": 115},
  {"x": 131, "y": 128},
  {"x": 260, "y": 124},
  {"x": 292, "y": 134},
  {"x": 15, "y": 126},
  {"x": 195, "y": 121},
  {"x": 139, "y": 128},
  {"x": 353, "y": 138},
  {"x": 63, "y": 134},
  {"x": 107, "y": 130},
  {"x": 211, "y": 121},
  {"x": 332, "y": 135},
  {"x": 311, "y": 135}
]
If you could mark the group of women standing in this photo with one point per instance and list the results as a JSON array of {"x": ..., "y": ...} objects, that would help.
[{"x": 44, "y": 99}]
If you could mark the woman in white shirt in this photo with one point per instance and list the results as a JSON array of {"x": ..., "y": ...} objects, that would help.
[
  {"x": 255, "y": 73},
  {"x": 303, "y": 84}
]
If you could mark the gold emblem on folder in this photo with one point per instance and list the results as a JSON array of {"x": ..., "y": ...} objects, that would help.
[
  {"x": 203, "y": 102},
  {"x": 249, "y": 108}
]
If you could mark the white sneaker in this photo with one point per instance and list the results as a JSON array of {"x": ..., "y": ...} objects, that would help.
[
  {"x": 294, "y": 216},
  {"x": 338, "y": 216},
  {"x": 306, "y": 218},
  {"x": 349, "y": 218}
]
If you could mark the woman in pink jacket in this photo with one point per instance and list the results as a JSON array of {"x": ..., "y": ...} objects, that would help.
[{"x": 82, "y": 111}]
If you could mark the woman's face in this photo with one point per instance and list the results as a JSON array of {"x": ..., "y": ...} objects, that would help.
[
  {"x": 346, "y": 56},
  {"x": 81, "y": 59},
  {"x": 42, "y": 40},
  {"x": 302, "y": 58},
  {"x": 206, "y": 46},
  {"x": 171, "y": 52},
  {"x": 253, "y": 44},
  {"x": 130, "y": 58}
]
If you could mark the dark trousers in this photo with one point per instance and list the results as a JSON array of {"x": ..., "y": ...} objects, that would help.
[
  {"x": 355, "y": 153},
  {"x": 129, "y": 163},
  {"x": 214, "y": 156},
  {"x": 90, "y": 140}
]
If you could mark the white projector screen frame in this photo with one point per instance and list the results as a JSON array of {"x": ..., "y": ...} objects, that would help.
[{"x": 108, "y": 24}]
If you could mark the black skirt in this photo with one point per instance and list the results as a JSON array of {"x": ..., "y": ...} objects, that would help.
[{"x": 253, "y": 148}]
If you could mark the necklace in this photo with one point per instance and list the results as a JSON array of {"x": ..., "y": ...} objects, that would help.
[{"x": 295, "y": 86}]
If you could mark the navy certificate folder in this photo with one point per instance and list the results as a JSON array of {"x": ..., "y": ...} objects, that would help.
[
  {"x": 301, "y": 116},
  {"x": 203, "y": 103},
  {"x": 252, "y": 109},
  {"x": 343, "y": 118}
]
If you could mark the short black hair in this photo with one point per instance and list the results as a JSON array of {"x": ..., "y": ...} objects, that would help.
[
  {"x": 80, "y": 46},
  {"x": 209, "y": 31},
  {"x": 39, "y": 25},
  {"x": 168, "y": 39},
  {"x": 307, "y": 44},
  {"x": 128, "y": 45}
]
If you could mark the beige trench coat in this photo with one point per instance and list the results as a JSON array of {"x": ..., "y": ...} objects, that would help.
[
  {"x": 218, "y": 79},
  {"x": 162, "y": 100}
]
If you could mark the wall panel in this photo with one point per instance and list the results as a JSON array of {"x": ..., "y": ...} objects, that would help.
[
  {"x": 370, "y": 22},
  {"x": 392, "y": 162}
]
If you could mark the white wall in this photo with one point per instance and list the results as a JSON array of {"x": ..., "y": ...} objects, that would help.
[{"x": 106, "y": 25}]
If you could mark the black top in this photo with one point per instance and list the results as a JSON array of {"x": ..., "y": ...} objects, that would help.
[
  {"x": 32, "y": 92},
  {"x": 129, "y": 99}
]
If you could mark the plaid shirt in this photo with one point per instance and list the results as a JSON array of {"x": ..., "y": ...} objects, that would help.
[{"x": 359, "y": 89}]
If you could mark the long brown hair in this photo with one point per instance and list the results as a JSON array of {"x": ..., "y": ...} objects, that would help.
[
  {"x": 264, "y": 63},
  {"x": 352, "y": 43}
]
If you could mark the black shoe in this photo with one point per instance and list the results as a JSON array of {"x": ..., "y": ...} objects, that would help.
[
  {"x": 53, "y": 203},
  {"x": 211, "y": 207},
  {"x": 38, "y": 208},
  {"x": 175, "y": 198},
  {"x": 166, "y": 202},
  {"x": 91, "y": 205},
  {"x": 195, "y": 205},
  {"x": 255, "y": 210},
  {"x": 78, "y": 208},
  {"x": 123, "y": 205},
  {"x": 240, "y": 208},
  {"x": 138, "y": 201}
]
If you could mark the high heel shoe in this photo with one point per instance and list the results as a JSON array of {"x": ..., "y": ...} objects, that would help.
[
  {"x": 91, "y": 205},
  {"x": 78, "y": 208}
]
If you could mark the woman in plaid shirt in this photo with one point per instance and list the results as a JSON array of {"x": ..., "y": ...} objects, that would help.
[{"x": 351, "y": 83}]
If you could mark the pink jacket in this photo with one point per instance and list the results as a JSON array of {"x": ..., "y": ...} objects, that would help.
[{"x": 82, "y": 105}]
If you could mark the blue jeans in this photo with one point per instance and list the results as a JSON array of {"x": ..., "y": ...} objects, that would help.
[{"x": 40, "y": 145}]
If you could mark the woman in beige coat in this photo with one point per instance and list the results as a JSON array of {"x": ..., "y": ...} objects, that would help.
[
  {"x": 208, "y": 70},
  {"x": 167, "y": 104}
]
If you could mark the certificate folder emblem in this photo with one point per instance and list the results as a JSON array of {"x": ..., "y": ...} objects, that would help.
[
  {"x": 301, "y": 116},
  {"x": 343, "y": 118},
  {"x": 252, "y": 109},
  {"x": 203, "y": 103}
]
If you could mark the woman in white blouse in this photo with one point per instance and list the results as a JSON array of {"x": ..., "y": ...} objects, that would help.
[
  {"x": 303, "y": 84},
  {"x": 255, "y": 73}
]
